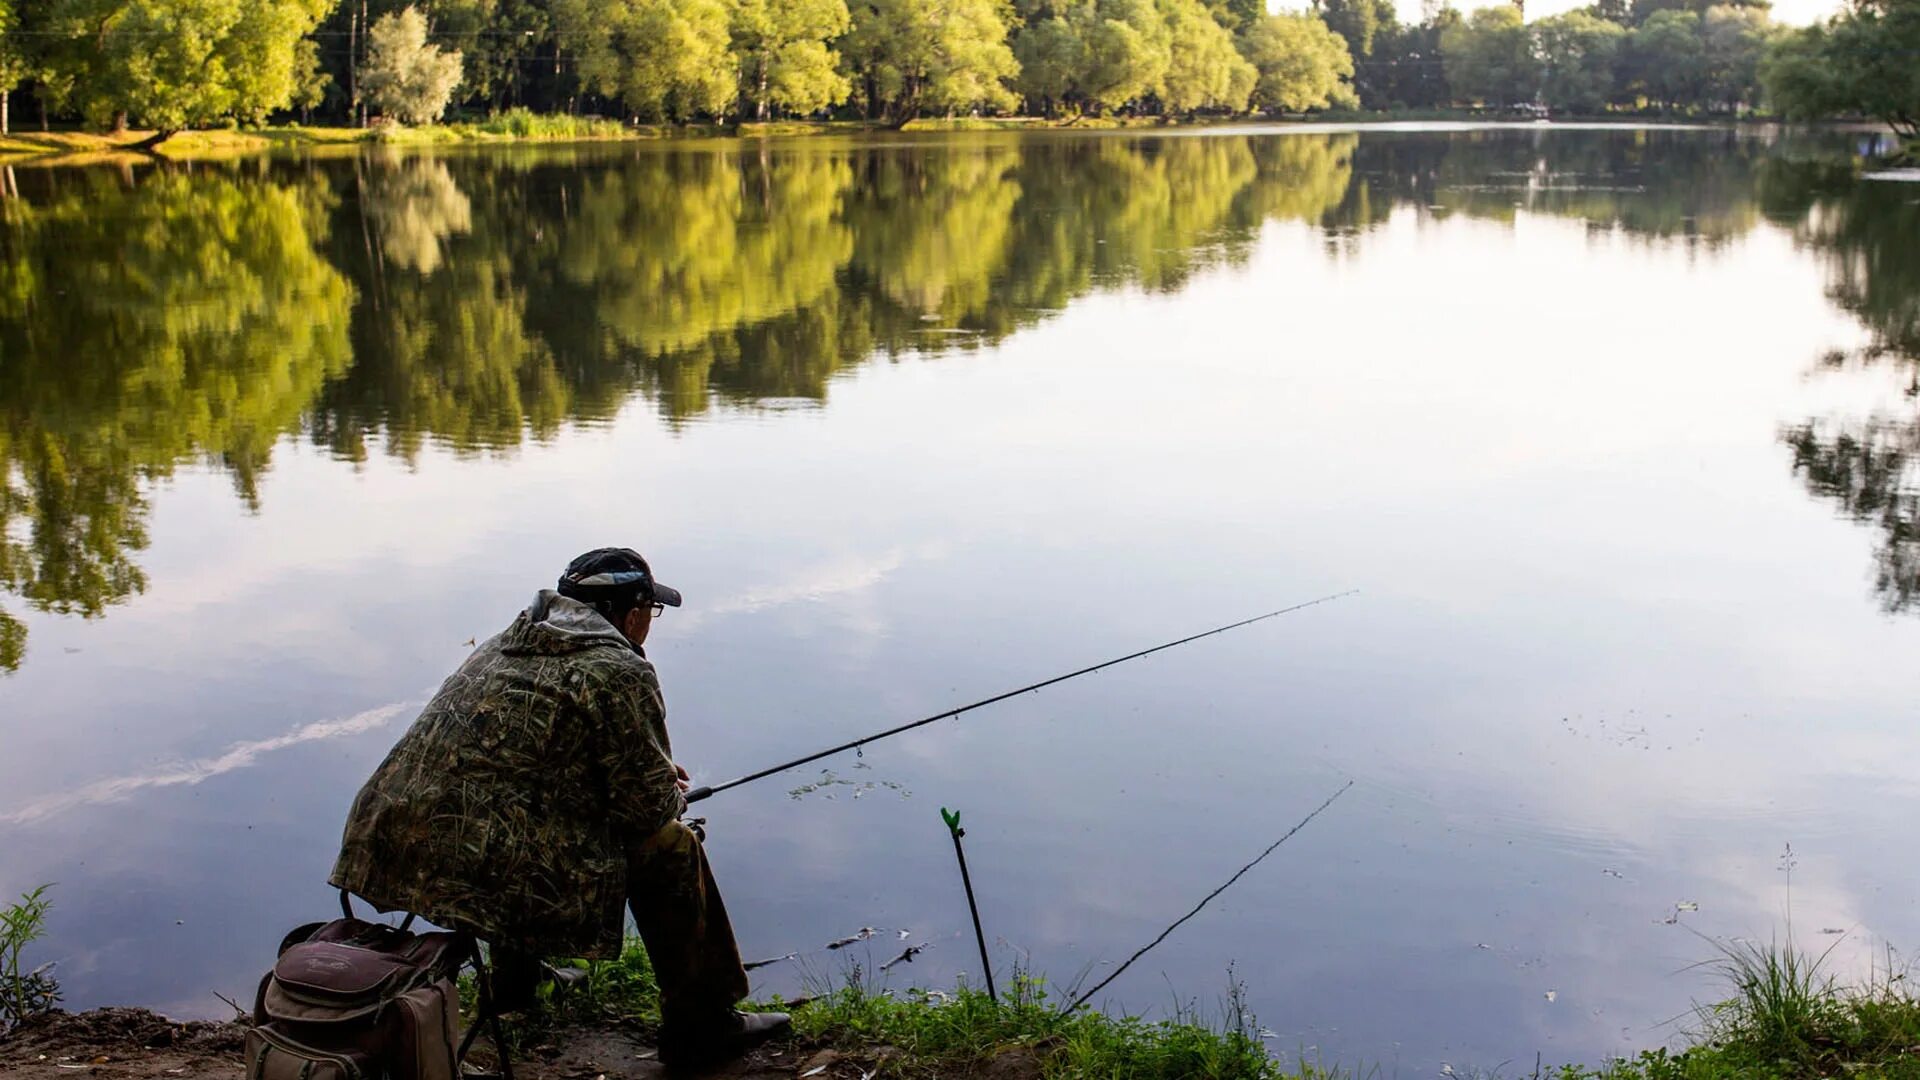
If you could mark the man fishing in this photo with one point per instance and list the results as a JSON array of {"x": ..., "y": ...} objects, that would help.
[{"x": 536, "y": 796}]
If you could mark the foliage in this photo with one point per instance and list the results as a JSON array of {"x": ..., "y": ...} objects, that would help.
[
  {"x": 786, "y": 60},
  {"x": 24, "y": 994},
  {"x": 16, "y": 61},
  {"x": 172, "y": 64},
  {"x": 1787, "y": 1018},
  {"x": 1732, "y": 40},
  {"x": 944, "y": 1033},
  {"x": 1490, "y": 57},
  {"x": 1406, "y": 70},
  {"x": 945, "y": 56},
  {"x": 1861, "y": 62},
  {"x": 1356, "y": 21},
  {"x": 1099, "y": 55},
  {"x": 1204, "y": 70},
  {"x": 310, "y": 81},
  {"x": 664, "y": 59},
  {"x": 1667, "y": 57},
  {"x": 521, "y": 123},
  {"x": 1301, "y": 63},
  {"x": 1800, "y": 78},
  {"x": 404, "y": 76},
  {"x": 1579, "y": 52}
]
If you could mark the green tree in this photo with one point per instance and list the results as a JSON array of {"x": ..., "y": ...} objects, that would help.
[
  {"x": 946, "y": 56},
  {"x": 16, "y": 61},
  {"x": 1128, "y": 49},
  {"x": 1668, "y": 58},
  {"x": 1357, "y": 21},
  {"x": 1490, "y": 57},
  {"x": 1405, "y": 70},
  {"x": 1302, "y": 64},
  {"x": 311, "y": 81},
  {"x": 1578, "y": 52},
  {"x": 1732, "y": 42},
  {"x": 1876, "y": 45},
  {"x": 665, "y": 59},
  {"x": 405, "y": 77},
  {"x": 1204, "y": 70},
  {"x": 785, "y": 59},
  {"x": 1053, "y": 57},
  {"x": 173, "y": 64},
  {"x": 1798, "y": 74}
]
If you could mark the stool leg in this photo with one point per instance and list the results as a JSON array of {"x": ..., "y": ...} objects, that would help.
[{"x": 485, "y": 1012}]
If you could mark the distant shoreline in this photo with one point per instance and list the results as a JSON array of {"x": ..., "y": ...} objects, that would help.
[{"x": 84, "y": 147}]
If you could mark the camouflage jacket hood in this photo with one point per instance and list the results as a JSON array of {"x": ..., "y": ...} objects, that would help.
[
  {"x": 508, "y": 807},
  {"x": 555, "y": 625}
]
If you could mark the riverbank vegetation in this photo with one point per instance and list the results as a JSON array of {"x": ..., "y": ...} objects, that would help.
[
  {"x": 1785, "y": 1016},
  {"x": 173, "y": 65}
]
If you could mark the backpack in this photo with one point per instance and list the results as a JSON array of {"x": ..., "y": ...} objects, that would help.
[{"x": 354, "y": 1000}]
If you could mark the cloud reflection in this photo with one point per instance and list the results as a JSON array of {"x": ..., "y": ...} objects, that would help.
[{"x": 187, "y": 774}]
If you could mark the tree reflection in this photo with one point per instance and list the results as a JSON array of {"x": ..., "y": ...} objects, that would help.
[
  {"x": 1868, "y": 466},
  {"x": 387, "y": 302},
  {"x": 171, "y": 318}
]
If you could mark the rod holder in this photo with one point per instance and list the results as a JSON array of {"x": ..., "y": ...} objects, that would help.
[{"x": 952, "y": 818}]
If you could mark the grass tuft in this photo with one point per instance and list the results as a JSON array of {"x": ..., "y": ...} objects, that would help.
[{"x": 24, "y": 994}]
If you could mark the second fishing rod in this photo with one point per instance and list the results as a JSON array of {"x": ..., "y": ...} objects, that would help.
[{"x": 700, "y": 793}]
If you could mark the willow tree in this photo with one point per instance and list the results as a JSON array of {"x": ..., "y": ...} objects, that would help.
[
  {"x": 174, "y": 64},
  {"x": 1204, "y": 70},
  {"x": 404, "y": 76},
  {"x": 1302, "y": 64},
  {"x": 663, "y": 59},
  {"x": 786, "y": 59},
  {"x": 946, "y": 56}
]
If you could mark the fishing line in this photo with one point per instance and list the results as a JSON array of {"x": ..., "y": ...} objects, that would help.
[
  {"x": 703, "y": 792},
  {"x": 1082, "y": 999}
]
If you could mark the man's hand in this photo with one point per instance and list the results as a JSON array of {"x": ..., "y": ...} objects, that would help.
[{"x": 684, "y": 780}]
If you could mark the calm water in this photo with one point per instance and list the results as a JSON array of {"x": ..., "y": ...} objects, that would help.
[{"x": 1613, "y": 428}]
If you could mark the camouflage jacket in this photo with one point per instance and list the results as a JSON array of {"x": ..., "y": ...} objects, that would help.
[{"x": 507, "y": 807}]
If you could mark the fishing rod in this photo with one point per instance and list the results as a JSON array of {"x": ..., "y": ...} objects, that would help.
[
  {"x": 704, "y": 792},
  {"x": 1142, "y": 950}
]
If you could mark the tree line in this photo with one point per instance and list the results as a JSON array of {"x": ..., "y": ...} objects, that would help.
[
  {"x": 173, "y": 64},
  {"x": 1704, "y": 57}
]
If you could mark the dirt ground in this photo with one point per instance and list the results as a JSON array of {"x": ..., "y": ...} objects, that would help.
[{"x": 124, "y": 1044}]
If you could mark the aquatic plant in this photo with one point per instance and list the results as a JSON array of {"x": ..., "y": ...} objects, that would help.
[{"x": 24, "y": 995}]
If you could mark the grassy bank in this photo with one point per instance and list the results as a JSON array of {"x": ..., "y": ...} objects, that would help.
[
  {"x": 511, "y": 127},
  {"x": 1784, "y": 1017}
]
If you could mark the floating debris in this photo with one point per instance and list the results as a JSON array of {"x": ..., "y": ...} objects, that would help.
[
  {"x": 1832, "y": 930},
  {"x": 862, "y": 934},
  {"x": 905, "y": 934},
  {"x": 752, "y": 964},
  {"x": 860, "y": 787},
  {"x": 1552, "y": 995},
  {"x": 1612, "y": 873},
  {"x": 1682, "y": 906},
  {"x": 905, "y": 957}
]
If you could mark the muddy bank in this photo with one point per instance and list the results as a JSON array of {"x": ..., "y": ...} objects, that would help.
[{"x": 138, "y": 1043}]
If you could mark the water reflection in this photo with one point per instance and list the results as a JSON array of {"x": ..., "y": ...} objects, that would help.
[
  {"x": 1867, "y": 464},
  {"x": 143, "y": 325},
  {"x": 377, "y": 304}
]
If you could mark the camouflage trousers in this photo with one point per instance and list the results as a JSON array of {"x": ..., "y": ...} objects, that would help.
[
  {"x": 683, "y": 923},
  {"x": 671, "y": 892}
]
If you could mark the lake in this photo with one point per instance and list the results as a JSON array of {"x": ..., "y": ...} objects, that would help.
[{"x": 1614, "y": 429}]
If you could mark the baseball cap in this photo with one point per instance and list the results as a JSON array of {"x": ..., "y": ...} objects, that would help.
[{"x": 614, "y": 574}]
